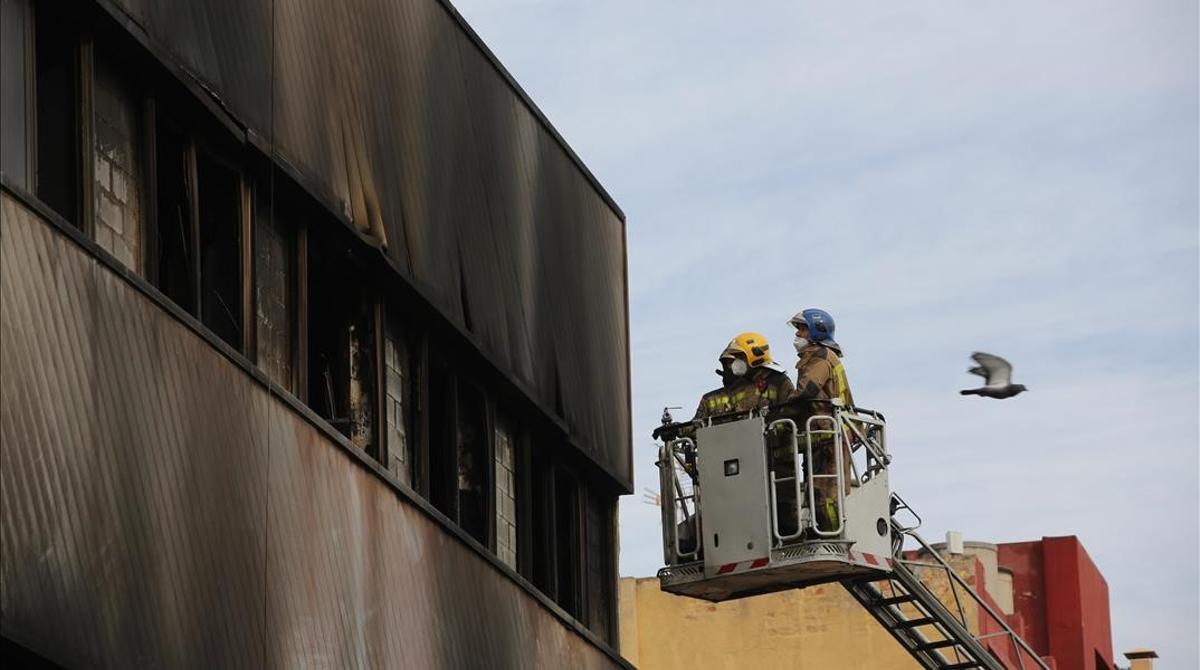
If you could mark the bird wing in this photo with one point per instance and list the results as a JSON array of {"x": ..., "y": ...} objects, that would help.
[
  {"x": 979, "y": 371},
  {"x": 999, "y": 372}
]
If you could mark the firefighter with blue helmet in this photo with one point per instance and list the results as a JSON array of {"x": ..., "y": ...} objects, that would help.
[
  {"x": 819, "y": 371},
  {"x": 821, "y": 377}
]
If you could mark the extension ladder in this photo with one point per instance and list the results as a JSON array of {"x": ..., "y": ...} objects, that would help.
[{"x": 938, "y": 638}]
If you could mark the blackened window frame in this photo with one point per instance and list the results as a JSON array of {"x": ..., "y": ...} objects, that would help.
[
  {"x": 290, "y": 224},
  {"x": 22, "y": 21},
  {"x": 169, "y": 136},
  {"x": 197, "y": 142},
  {"x": 334, "y": 279},
  {"x": 55, "y": 35},
  {"x": 600, "y": 599},
  {"x": 482, "y": 455},
  {"x": 505, "y": 419},
  {"x": 446, "y": 388},
  {"x": 554, "y": 539},
  {"x": 398, "y": 322},
  {"x": 211, "y": 159}
]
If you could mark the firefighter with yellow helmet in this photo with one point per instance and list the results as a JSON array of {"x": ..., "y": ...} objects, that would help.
[{"x": 746, "y": 380}]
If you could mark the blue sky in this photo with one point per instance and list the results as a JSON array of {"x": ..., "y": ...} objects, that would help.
[{"x": 1013, "y": 177}]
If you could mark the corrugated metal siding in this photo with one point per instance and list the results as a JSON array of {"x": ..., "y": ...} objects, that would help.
[
  {"x": 393, "y": 111},
  {"x": 224, "y": 44},
  {"x": 161, "y": 508}
]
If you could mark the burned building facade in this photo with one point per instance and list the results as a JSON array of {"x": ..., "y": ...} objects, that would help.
[{"x": 313, "y": 345}]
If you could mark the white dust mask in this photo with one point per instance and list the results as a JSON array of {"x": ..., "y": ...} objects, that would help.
[{"x": 799, "y": 343}]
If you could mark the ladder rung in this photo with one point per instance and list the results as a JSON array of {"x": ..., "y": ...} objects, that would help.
[
  {"x": 962, "y": 666},
  {"x": 939, "y": 644},
  {"x": 914, "y": 623},
  {"x": 894, "y": 600}
]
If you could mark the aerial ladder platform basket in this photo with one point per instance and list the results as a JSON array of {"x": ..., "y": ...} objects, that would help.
[{"x": 796, "y": 495}]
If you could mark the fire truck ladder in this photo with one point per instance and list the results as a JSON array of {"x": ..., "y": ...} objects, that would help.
[{"x": 936, "y": 637}]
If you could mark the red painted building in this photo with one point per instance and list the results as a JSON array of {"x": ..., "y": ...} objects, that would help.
[
  {"x": 1048, "y": 590},
  {"x": 1059, "y": 602}
]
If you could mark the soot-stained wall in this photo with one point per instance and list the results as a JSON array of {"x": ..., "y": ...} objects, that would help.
[{"x": 395, "y": 115}]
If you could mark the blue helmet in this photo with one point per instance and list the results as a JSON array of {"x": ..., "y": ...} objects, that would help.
[{"x": 820, "y": 326}]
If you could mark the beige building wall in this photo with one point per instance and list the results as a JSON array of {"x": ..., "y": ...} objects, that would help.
[{"x": 820, "y": 627}]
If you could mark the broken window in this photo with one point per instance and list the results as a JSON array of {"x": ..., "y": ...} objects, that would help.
[
  {"x": 460, "y": 451},
  {"x": 506, "y": 490},
  {"x": 170, "y": 266},
  {"x": 340, "y": 348},
  {"x": 566, "y": 542},
  {"x": 473, "y": 464},
  {"x": 599, "y": 565},
  {"x": 57, "y": 80},
  {"x": 14, "y": 68},
  {"x": 540, "y": 567},
  {"x": 220, "y": 224},
  {"x": 194, "y": 250},
  {"x": 274, "y": 289},
  {"x": 570, "y": 533},
  {"x": 361, "y": 383},
  {"x": 117, "y": 158},
  {"x": 398, "y": 405},
  {"x": 442, "y": 439}
]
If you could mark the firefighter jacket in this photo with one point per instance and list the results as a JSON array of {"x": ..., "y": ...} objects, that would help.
[
  {"x": 758, "y": 386},
  {"x": 820, "y": 376}
]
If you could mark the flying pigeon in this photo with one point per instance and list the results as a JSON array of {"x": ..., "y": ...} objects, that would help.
[{"x": 998, "y": 374}]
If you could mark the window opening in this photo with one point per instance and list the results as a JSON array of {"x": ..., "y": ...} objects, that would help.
[
  {"x": 566, "y": 540},
  {"x": 57, "y": 76},
  {"x": 220, "y": 209},
  {"x": 340, "y": 348},
  {"x": 599, "y": 565},
  {"x": 274, "y": 292},
  {"x": 472, "y": 462},
  {"x": 117, "y": 169},
  {"x": 442, "y": 466},
  {"x": 171, "y": 264},
  {"x": 359, "y": 348},
  {"x": 14, "y": 68},
  {"x": 506, "y": 490},
  {"x": 541, "y": 513},
  {"x": 398, "y": 387}
]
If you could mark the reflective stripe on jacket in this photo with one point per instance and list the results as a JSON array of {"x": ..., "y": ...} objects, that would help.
[{"x": 763, "y": 384}]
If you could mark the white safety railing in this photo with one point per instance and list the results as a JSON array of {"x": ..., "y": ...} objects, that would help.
[
  {"x": 795, "y": 478},
  {"x": 677, "y": 501},
  {"x": 833, "y": 440},
  {"x": 860, "y": 430}
]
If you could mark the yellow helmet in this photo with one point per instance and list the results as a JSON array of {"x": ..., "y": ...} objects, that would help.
[{"x": 753, "y": 346}]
